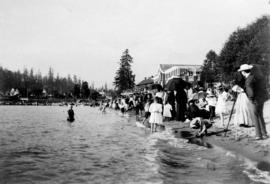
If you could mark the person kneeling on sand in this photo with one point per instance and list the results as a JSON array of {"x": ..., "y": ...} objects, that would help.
[{"x": 201, "y": 124}]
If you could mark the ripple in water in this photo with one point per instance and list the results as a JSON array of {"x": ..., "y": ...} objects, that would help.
[{"x": 41, "y": 147}]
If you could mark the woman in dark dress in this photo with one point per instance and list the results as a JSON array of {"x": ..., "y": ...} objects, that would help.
[
  {"x": 171, "y": 101},
  {"x": 181, "y": 99}
]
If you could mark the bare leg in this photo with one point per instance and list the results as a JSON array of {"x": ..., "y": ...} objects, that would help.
[
  {"x": 143, "y": 121},
  {"x": 222, "y": 119}
]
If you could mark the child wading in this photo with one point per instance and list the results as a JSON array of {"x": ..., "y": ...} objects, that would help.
[
  {"x": 167, "y": 112},
  {"x": 156, "y": 114},
  {"x": 146, "y": 111}
]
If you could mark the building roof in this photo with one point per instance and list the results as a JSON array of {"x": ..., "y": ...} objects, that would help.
[
  {"x": 146, "y": 82},
  {"x": 164, "y": 67}
]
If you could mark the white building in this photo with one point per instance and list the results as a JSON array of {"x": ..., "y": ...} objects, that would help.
[{"x": 189, "y": 73}]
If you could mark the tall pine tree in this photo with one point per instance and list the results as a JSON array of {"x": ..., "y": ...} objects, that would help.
[
  {"x": 124, "y": 79},
  {"x": 209, "y": 70}
]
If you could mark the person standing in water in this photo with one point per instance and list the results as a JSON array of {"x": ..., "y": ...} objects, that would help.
[
  {"x": 71, "y": 114},
  {"x": 156, "y": 114}
]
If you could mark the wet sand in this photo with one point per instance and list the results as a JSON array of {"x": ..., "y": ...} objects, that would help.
[{"x": 238, "y": 140}]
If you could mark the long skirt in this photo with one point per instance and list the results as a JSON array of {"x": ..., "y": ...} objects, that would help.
[
  {"x": 244, "y": 111},
  {"x": 181, "y": 111}
]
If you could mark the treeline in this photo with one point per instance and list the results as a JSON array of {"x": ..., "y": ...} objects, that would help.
[
  {"x": 249, "y": 45},
  {"x": 33, "y": 84}
]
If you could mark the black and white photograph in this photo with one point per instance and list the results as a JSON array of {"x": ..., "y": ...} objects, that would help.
[{"x": 134, "y": 91}]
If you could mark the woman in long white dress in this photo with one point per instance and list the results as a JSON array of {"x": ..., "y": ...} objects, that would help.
[
  {"x": 156, "y": 114},
  {"x": 244, "y": 109}
]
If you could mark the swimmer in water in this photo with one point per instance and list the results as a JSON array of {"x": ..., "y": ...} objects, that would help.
[{"x": 71, "y": 114}]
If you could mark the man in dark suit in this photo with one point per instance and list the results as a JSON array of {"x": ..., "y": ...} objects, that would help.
[{"x": 257, "y": 94}]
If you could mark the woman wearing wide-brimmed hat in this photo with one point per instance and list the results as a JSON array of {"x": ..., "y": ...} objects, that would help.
[{"x": 244, "y": 109}]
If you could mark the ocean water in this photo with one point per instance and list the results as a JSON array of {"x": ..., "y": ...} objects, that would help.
[{"x": 38, "y": 145}]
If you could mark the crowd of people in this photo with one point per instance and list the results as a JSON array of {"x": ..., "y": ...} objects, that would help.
[
  {"x": 191, "y": 104},
  {"x": 198, "y": 106}
]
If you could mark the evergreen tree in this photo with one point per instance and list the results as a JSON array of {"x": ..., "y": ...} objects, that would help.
[
  {"x": 76, "y": 91},
  {"x": 209, "y": 70},
  {"x": 249, "y": 45},
  {"x": 124, "y": 78},
  {"x": 105, "y": 87},
  {"x": 32, "y": 84},
  {"x": 85, "y": 90},
  {"x": 50, "y": 81}
]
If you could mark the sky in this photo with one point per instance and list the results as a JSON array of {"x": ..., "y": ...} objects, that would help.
[{"x": 88, "y": 37}]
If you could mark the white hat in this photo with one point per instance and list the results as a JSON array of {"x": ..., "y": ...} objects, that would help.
[
  {"x": 237, "y": 88},
  {"x": 245, "y": 67}
]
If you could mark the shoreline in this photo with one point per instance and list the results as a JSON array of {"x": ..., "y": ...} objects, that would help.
[{"x": 238, "y": 140}]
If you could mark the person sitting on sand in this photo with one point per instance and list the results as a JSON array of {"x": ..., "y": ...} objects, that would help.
[
  {"x": 201, "y": 124},
  {"x": 204, "y": 112},
  {"x": 193, "y": 110},
  {"x": 71, "y": 114}
]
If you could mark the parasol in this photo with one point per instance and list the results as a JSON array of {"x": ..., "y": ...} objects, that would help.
[{"x": 176, "y": 84}]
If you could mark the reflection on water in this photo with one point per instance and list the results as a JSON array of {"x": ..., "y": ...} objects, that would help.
[{"x": 37, "y": 145}]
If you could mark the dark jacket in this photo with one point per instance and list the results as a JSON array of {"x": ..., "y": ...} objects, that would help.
[
  {"x": 193, "y": 112},
  {"x": 256, "y": 89}
]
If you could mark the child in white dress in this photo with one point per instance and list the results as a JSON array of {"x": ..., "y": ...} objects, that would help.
[
  {"x": 156, "y": 115},
  {"x": 167, "y": 112},
  {"x": 221, "y": 106},
  {"x": 212, "y": 101}
]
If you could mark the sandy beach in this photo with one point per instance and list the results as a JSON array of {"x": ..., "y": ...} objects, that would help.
[
  {"x": 241, "y": 140},
  {"x": 238, "y": 140}
]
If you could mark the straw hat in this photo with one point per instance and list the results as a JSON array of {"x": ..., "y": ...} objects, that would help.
[{"x": 245, "y": 67}]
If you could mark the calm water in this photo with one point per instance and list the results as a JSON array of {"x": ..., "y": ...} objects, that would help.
[{"x": 37, "y": 145}]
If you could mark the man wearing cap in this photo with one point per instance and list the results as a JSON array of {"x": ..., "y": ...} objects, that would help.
[{"x": 257, "y": 95}]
